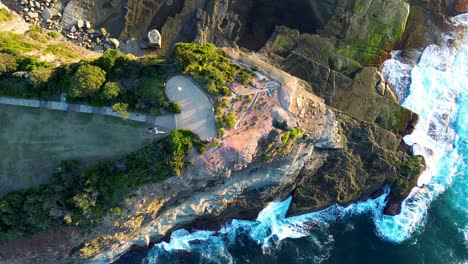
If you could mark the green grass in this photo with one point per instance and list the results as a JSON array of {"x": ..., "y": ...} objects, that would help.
[
  {"x": 61, "y": 50},
  {"x": 16, "y": 44},
  {"x": 5, "y": 15},
  {"x": 53, "y": 34}
]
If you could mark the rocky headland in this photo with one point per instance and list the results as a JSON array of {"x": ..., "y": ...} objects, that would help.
[{"x": 351, "y": 125}]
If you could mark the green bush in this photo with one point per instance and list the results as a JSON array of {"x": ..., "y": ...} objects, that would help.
[
  {"x": 5, "y": 15},
  {"x": 111, "y": 90},
  {"x": 40, "y": 76},
  {"x": 174, "y": 108},
  {"x": 53, "y": 34},
  {"x": 7, "y": 63},
  {"x": 206, "y": 63},
  {"x": 86, "y": 81},
  {"x": 230, "y": 120},
  {"x": 121, "y": 108},
  {"x": 31, "y": 63},
  {"x": 226, "y": 91}
]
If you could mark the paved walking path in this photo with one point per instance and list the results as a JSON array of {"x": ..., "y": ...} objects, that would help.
[
  {"x": 167, "y": 121},
  {"x": 197, "y": 111}
]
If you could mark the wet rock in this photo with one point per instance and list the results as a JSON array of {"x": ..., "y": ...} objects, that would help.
[
  {"x": 154, "y": 39},
  {"x": 87, "y": 25}
]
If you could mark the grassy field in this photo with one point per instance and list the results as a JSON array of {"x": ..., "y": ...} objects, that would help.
[{"x": 34, "y": 141}]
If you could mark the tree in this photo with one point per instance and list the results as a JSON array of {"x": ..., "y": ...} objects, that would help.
[
  {"x": 121, "y": 108},
  {"x": 7, "y": 63},
  {"x": 174, "y": 107},
  {"x": 40, "y": 76},
  {"x": 230, "y": 120},
  {"x": 111, "y": 90},
  {"x": 212, "y": 89},
  {"x": 87, "y": 80}
]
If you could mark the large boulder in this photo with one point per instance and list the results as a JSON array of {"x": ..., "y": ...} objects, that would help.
[{"x": 154, "y": 39}]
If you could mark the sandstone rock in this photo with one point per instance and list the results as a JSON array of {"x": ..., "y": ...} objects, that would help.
[
  {"x": 103, "y": 31},
  {"x": 115, "y": 42},
  {"x": 33, "y": 14},
  {"x": 46, "y": 14},
  {"x": 380, "y": 88},
  {"x": 87, "y": 25},
  {"x": 80, "y": 24},
  {"x": 154, "y": 39},
  {"x": 20, "y": 74}
]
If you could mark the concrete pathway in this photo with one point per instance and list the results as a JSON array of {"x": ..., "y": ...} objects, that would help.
[
  {"x": 197, "y": 111},
  {"x": 166, "y": 121}
]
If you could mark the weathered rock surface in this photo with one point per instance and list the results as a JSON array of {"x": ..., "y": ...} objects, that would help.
[{"x": 154, "y": 39}]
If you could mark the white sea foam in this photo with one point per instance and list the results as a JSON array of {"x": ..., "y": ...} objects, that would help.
[{"x": 438, "y": 94}]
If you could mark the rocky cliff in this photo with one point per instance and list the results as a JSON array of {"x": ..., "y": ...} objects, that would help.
[{"x": 325, "y": 58}]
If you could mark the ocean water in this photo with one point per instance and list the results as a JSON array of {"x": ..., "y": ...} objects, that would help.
[{"x": 433, "y": 224}]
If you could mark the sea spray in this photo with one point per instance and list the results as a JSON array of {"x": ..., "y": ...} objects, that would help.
[
  {"x": 268, "y": 230},
  {"x": 438, "y": 94}
]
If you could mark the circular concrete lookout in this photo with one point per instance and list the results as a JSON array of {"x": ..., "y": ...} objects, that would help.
[{"x": 197, "y": 112}]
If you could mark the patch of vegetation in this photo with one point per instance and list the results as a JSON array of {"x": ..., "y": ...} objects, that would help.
[
  {"x": 122, "y": 109},
  {"x": 81, "y": 195},
  {"x": 293, "y": 133},
  {"x": 53, "y": 34},
  {"x": 16, "y": 44},
  {"x": 8, "y": 63},
  {"x": 5, "y": 15},
  {"x": 209, "y": 65},
  {"x": 111, "y": 79},
  {"x": 288, "y": 140},
  {"x": 86, "y": 81},
  {"x": 61, "y": 50},
  {"x": 38, "y": 33}
]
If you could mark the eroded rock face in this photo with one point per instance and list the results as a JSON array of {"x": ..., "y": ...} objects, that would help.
[{"x": 338, "y": 159}]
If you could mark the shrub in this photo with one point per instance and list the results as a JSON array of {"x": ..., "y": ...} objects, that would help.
[
  {"x": 7, "y": 63},
  {"x": 31, "y": 63},
  {"x": 245, "y": 77},
  {"x": 111, "y": 90},
  {"x": 226, "y": 91},
  {"x": 174, "y": 108},
  {"x": 53, "y": 34},
  {"x": 206, "y": 63},
  {"x": 86, "y": 81},
  {"x": 121, "y": 108},
  {"x": 5, "y": 15},
  {"x": 40, "y": 76},
  {"x": 221, "y": 132},
  {"x": 230, "y": 120},
  {"x": 212, "y": 89}
]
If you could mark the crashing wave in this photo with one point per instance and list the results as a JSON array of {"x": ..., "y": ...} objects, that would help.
[{"x": 438, "y": 94}]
